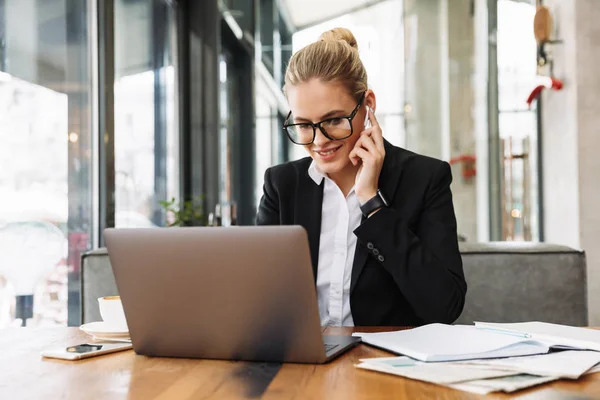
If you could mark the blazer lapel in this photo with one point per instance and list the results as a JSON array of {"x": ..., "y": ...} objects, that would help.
[
  {"x": 309, "y": 202},
  {"x": 360, "y": 257},
  {"x": 388, "y": 183},
  {"x": 390, "y": 173}
]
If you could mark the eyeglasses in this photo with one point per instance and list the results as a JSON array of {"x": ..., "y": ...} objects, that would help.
[{"x": 336, "y": 128}]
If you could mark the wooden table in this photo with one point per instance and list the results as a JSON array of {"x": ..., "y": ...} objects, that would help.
[{"x": 25, "y": 375}]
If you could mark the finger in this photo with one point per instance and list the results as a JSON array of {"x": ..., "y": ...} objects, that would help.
[
  {"x": 364, "y": 155},
  {"x": 378, "y": 140},
  {"x": 368, "y": 144},
  {"x": 355, "y": 160},
  {"x": 359, "y": 141},
  {"x": 367, "y": 132},
  {"x": 373, "y": 135},
  {"x": 353, "y": 157}
]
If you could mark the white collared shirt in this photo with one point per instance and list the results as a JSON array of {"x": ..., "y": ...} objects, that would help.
[{"x": 339, "y": 218}]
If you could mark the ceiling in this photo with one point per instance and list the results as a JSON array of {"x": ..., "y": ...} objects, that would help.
[{"x": 303, "y": 13}]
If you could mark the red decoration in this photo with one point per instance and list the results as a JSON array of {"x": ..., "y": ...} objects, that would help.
[
  {"x": 549, "y": 83},
  {"x": 468, "y": 165}
]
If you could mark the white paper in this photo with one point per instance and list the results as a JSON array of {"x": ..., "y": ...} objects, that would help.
[
  {"x": 565, "y": 364},
  {"x": 440, "y": 373},
  {"x": 480, "y": 376},
  {"x": 593, "y": 370},
  {"x": 583, "y": 338},
  {"x": 507, "y": 384},
  {"x": 439, "y": 342}
]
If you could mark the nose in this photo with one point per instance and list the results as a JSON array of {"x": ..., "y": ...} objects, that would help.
[{"x": 320, "y": 138}]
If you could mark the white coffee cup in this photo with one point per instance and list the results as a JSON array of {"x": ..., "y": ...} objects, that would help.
[{"x": 111, "y": 310}]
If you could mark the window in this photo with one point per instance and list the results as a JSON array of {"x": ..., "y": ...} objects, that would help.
[
  {"x": 146, "y": 125},
  {"x": 242, "y": 12},
  {"x": 266, "y": 33},
  {"x": 270, "y": 140},
  {"x": 46, "y": 218},
  {"x": 225, "y": 130}
]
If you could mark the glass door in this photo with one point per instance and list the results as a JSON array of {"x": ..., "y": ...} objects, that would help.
[{"x": 518, "y": 124}]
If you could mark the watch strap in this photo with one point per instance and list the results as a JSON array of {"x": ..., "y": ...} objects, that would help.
[{"x": 377, "y": 201}]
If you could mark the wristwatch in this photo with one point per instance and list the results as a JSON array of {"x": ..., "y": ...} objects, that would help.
[{"x": 373, "y": 204}]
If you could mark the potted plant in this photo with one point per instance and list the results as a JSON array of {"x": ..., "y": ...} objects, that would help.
[{"x": 190, "y": 213}]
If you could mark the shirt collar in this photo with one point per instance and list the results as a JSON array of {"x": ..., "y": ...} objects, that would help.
[{"x": 316, "y": 175}]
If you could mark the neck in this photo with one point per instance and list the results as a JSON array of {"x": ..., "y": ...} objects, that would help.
[{"x": 345, "y": 178}]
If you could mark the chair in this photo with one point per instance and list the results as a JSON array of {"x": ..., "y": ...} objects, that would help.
[
  {"x": 508, "y": 282},
  {"x": 524, "y": 281},
  {"x": 97, "y": 280}
]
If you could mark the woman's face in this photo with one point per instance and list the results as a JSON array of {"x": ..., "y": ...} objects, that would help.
[{"x": 315, "y": 101}]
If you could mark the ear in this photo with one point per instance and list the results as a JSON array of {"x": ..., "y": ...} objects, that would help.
[{"x": 370, "y": 100}]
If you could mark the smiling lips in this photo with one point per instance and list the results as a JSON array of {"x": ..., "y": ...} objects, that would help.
[{"x": 327, "y": 154}]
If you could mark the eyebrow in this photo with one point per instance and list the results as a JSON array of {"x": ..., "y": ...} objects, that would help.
[{"x": 323, "y": 117}]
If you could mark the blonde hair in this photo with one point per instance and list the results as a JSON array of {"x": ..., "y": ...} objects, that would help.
[{"x": 333, "y": 58}]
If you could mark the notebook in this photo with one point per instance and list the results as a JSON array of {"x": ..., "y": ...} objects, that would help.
[
  {"x": 553, "y": 334},
  {"x": 440, "y": 342}
]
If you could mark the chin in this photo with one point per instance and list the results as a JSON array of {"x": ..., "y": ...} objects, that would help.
[{"x": 331, "y": 167}]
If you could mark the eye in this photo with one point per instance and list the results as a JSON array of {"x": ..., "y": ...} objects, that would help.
[
  {"x": 335, "y": 121},
  {"x": 304, "y": 127}
]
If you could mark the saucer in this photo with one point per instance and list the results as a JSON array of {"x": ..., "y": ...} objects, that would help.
[{"x": 102, "y": 329}]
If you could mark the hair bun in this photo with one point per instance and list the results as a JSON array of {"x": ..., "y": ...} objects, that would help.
[{"x": 340, "y": 34}]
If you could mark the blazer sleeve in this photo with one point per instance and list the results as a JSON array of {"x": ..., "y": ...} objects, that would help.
[
  {"x": 424, "y": 262},
  {"x": 268, "y": 209}
]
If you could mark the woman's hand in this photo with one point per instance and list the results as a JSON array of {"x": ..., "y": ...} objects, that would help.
[{"x": 369, "y": 152}]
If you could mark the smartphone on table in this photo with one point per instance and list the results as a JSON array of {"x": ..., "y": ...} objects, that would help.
[{"x": 85, "y": 350}]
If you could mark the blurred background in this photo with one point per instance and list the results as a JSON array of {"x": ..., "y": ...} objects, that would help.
[{"x": 110, "y": 107}]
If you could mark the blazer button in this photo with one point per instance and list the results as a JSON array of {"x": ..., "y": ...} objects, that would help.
[
  {"x": 380, "y": 258},
  {"x": 376, "y": 252},
  {"x": 370, "y": 246}
]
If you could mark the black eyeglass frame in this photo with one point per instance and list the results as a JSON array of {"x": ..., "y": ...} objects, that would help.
[{"x": 318, "y": 125}]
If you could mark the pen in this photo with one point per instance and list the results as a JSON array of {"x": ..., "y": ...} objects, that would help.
[{"x": 506, "y": 332}]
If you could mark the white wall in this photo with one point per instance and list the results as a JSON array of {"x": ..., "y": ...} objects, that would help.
[
  {"x": 588, "y": 121},
  {"x": 560, "y": 138},
  {"x": 571, "y": 139}
]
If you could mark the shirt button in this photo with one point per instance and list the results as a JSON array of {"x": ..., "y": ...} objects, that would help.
[
  {"x": 376, "y": 252},
  {"x": 380, "y": 258},
  {"x": 370, "y": 246}
]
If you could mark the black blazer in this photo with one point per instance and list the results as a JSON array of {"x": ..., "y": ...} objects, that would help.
[{"x": 407, "y": 268}]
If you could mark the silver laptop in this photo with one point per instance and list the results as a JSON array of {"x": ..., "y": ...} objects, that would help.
[{"x": 238, "y": 293}]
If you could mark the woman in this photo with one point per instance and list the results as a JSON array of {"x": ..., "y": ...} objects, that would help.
[{"x": 380, "y": 219}]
